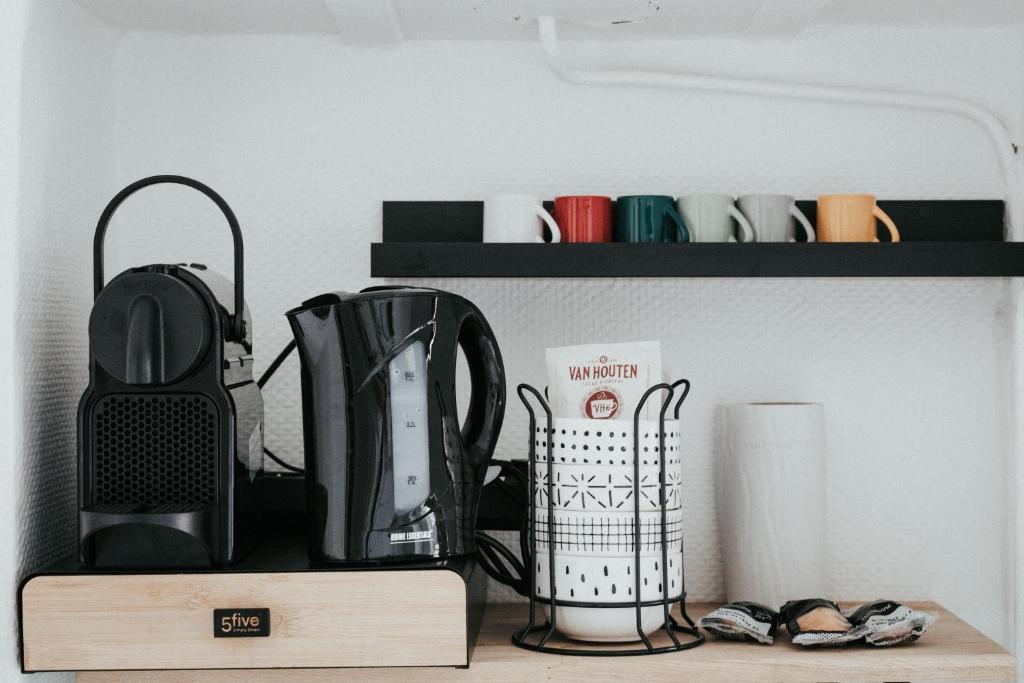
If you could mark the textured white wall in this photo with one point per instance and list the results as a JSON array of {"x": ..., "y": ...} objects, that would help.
[
  {"x": 305, "y": 138},
  {"x": 12, "y": 32},
  {"x": 361, "y": 21},
  {"x": 64, "y": 169}
]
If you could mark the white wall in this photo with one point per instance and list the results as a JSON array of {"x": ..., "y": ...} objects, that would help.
[
  {"x": 64, "y": 168},
  {"x": 11, "y": 37},
  {"x": 305, "y": 138}
]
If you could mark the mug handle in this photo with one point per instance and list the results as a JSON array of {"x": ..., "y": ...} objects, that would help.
[
  {"x": 802, "y": 220},
  {"x": 556, "y": 234},
  {"x": 682, "y": 232},
  {"x": 884, "y": 217},
  {"x": 745, "y": 228}
]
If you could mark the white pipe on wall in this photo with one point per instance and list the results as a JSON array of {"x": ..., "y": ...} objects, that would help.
[{"x": 997, "y": 132}]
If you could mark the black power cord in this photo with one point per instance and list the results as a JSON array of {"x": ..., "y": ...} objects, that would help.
[
  {"x": 499, "y": 562},
  {"x": 270, "y": 454},
  {"x": 267, "y": 374}
]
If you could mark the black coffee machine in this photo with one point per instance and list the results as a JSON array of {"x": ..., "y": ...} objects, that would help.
[
  {"x": 170, "y": 428},
  {"x": 390, "y": 472}
]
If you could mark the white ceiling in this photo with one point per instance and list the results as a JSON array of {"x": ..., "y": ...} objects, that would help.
[{"x": 377, "y": 21}]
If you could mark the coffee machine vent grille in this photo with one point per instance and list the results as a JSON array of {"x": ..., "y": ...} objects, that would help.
[{"x": 155, "y": 451}]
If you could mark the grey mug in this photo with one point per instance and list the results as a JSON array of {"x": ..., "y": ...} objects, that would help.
[{"x": 774, "y": 217}]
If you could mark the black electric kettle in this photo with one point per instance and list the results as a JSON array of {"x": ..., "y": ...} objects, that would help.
[{"x": 390, "y": 472}]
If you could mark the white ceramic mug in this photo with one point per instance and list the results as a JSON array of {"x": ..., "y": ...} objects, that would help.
[
  {"x": 512, "y": 217},
  {"x": 607, "y": 487},
  {"x": 709, "y": 218},
  {"x": 772, "y": 217},
  {"x": 609, "y": 578},
  {"x": 607, "y": 442},
  {"x": 603, "y": 532}
]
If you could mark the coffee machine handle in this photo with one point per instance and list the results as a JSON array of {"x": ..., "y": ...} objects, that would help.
[
  {"x": 487, "y": 379},
  {"x": 237, "y": 332}
]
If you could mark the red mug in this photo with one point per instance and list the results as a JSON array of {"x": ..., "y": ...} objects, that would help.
[{"x": 584, "y": 218}]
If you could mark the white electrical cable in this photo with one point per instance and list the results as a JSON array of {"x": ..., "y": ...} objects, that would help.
[{"x": 997, "y": 132}]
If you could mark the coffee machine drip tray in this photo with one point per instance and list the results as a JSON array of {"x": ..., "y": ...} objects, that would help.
[{"x": 271, "y": 611}]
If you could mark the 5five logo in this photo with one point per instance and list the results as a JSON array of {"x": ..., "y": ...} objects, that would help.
[{"x": 252, "y": 622}]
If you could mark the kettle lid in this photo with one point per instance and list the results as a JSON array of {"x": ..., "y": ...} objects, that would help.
[{"x": 370, "y": 293}]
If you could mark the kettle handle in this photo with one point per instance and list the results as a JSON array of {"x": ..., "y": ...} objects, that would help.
[
  {"x": 237, "y": 323},
  {"x": 487, "y": 379}
]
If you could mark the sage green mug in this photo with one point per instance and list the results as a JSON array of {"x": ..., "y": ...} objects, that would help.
[{"x": 648, "y": 218}]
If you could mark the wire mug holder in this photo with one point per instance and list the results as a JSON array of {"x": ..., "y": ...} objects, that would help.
[{"x": 536, "y": 636}]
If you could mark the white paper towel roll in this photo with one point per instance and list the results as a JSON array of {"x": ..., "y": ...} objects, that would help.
[{"x": 770, "y": 490}]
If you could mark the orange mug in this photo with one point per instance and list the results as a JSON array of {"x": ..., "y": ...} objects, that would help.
[{"x": 851, "y": 218}]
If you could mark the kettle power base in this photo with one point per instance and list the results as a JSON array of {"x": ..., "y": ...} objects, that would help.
[{"x": 259, "y": 614}]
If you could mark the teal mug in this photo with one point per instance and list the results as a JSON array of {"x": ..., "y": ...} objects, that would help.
[{"x": 649, "y": 218}]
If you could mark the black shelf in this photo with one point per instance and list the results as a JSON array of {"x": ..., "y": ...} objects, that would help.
[
  {"x": 929, "y": 220},
  {"x": 905, "y": 259}
]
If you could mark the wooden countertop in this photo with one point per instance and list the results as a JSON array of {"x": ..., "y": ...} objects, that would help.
[{"x": 951, "y": 650}]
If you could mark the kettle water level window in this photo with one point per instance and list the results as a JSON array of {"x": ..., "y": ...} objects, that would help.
[{"x": 407, "y": 381}]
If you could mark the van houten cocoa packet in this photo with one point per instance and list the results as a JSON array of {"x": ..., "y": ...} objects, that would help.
[{"x": 603, "y": 381}]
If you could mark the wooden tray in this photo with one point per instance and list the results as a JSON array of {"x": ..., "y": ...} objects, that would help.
[
  {"x": 258, "y": 615},
  {"x": 951, "y": 650}
]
